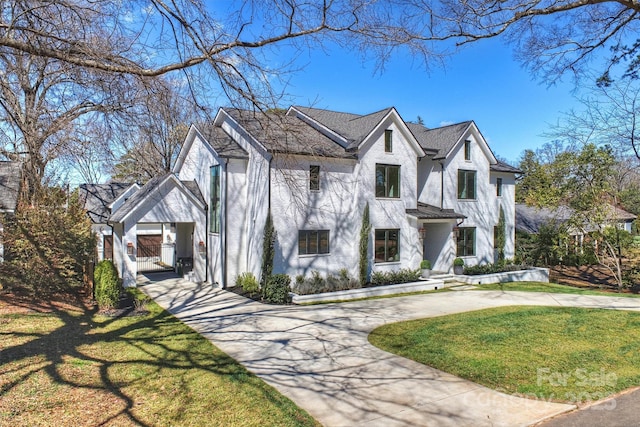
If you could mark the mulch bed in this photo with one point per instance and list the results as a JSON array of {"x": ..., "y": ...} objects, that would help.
[{"x": 585, "y": 276}]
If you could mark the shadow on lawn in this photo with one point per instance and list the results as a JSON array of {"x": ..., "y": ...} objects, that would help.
[{"x": 83, "y": 336}]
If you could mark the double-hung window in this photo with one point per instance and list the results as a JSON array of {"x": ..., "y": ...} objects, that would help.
[
  {"x": 214, "y": 205},
  {"x": 388, "y": 181},
  {"x": 387, "y": 245},
  {"x": 466, "y": 241},
  {"x": 313, "y": 242},
  {"x": 466, "y": 184}
]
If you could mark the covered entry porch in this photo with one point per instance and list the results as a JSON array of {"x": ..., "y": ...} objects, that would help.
[
  {"x": 436, "y": 232},
  {"x": 161, "y": 228}
]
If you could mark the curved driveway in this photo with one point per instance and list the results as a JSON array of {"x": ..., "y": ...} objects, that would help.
[{"x": 320, "y": 358}]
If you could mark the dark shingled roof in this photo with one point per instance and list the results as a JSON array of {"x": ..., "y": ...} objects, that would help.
[
  {"x": 504, "y": 167},
  {"x": 440, "y": 139},
  {"x": 96, "y": 199},
  {"x": 224, "y": 145},
  {"x": 425, "y": 211},
  {"x": 352, "y": 127},
  {"x": 287, "y": 134},
  {"x": 131, "y": 204},
  {"x": 530, "y": 219},
  {"x": 10, "y": 177}
]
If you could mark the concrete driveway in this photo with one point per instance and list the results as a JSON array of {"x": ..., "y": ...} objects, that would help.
[{"x": 320, "y": 358}]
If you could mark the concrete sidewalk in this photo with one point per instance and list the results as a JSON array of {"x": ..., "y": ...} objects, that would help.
[{"x": 319, "y": 356}]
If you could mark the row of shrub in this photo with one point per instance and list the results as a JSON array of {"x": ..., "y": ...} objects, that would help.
[
  {"x": 404, "y": 275},
  {"x": 279, "y": 285},
  {"x": 316, "y": 284},
  {"x": 499, "y": 267}
]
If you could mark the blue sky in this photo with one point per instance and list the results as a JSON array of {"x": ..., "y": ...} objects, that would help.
[{"x": 482, "y": 83}]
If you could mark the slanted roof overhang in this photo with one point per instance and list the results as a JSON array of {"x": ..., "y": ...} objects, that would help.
[
  {"x": 152, "y": 189},
  {"x": 430, "y": 212}
]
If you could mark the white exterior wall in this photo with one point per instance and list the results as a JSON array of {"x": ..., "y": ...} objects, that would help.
[
  {"x": 196, "y": 165},
  {"x": 247, "y": 213},
  {"x": 333, "y": 207},
  {"x": 391, "y": 213},
  {"x": 169, "y": 204},
  {"x": 481, "y": 212},
  {"x": 508, "y": 203}
]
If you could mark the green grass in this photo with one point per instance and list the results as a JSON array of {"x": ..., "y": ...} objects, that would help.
[
  {"x": 549, "y": 287},
  {"x": 561, "y": 354},
  {"x": 72, "y": 368}
]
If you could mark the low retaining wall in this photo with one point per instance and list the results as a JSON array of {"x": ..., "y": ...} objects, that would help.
[
  {"x": 534, "y": 274},
  {"x": 374, "y": 291}
]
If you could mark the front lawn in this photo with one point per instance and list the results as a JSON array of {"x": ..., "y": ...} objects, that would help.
[
  {"x": 551, "y": 288},
  {"x": 552, "y": 353},
  {"x": 79, "y": 369}
]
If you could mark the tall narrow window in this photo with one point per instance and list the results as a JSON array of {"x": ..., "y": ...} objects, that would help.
[
  {"x": 314, "y": 178},
  {"x": 388, "y": 141},
  {"x": 466, "y": 241},
  {"x": 388, "y": 181},
  {"x": 467, "y": 149},
  {"x": 499, "y": 187},
  {"x": 387, "y": 245},
  {"x": 466, "y": 184},
  {"x": 214, "y": 205},
  {"x": 312, "y": 242}
]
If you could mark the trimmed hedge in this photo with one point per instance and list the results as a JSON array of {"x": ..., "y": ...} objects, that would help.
[{"x": 107, "y": 286}]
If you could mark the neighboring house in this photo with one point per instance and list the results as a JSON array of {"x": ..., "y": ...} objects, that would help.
[
  {"x": 529, "y": 219},
  {"x": 10, "y": 180},
  {"x": 432, "y": 193}
]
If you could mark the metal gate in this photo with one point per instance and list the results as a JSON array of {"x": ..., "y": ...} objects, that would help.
[{"x": 154, "y": 256}]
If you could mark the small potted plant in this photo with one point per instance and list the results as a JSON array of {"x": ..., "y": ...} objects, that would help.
[
  {"x": 458, "y": 266},
  {"x": 425, "y": 266}
]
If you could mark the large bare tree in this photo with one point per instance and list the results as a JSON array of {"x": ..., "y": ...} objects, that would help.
[{"x": 41, "y": 99}]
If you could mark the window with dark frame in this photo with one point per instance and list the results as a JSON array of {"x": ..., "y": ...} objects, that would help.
[
  {"x": 314, "y": 178},
  {"x": 214, "y": 210},
  {"x": 387, "y": 245},
  {"x": 388, "y": 181},
  {"x": 313, "y": 242},
  {"x": 466, "y": 184},
  {"x": 388, "y": 141},
  {"x": 466, "y": 241},
  {"x": 499, "y": 187},
  {"x": 467, "y": 149}
]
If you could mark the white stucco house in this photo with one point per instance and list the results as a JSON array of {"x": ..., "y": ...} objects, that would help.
[{"x": 432, "y": 193}]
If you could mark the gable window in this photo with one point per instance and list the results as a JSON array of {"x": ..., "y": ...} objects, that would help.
[
  {"x": 499, "y": 187},
  {"x": 466, "y": 184},
  {"x": 314, "y": 178},
  {"x": 312, "y": 242},
  {"x": 387, "y": 245},
  {"x": 388, "y": 181},
  {"x": 388, "y": 141},
  {"x": 467, "y": 149},
  {"x": 214, "y": 205},
  {"x": 466, "y": 241}
]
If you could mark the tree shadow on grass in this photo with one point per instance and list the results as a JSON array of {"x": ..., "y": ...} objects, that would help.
[{"x": 118, "y": 359}]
